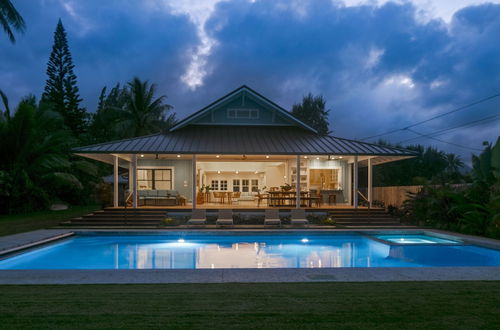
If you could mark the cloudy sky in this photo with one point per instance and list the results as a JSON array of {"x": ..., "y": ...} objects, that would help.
[{"x": 381, "y": 65}]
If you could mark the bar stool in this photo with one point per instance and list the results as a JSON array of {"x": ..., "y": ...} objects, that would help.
[{"x": 332, "y": 197}]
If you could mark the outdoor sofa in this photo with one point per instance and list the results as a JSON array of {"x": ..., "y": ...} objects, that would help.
[{"x": 159, "y": 197}]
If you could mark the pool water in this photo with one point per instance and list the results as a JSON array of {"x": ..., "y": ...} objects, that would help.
[
  {"x": 250, "y": 250},
  {"x": 415, "y": 239}
]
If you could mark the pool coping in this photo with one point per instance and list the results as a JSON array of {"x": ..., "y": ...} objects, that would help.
[{"x": 241, "y": 275}]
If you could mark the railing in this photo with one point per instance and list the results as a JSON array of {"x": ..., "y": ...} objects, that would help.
[
  {"x": 363, "y": 197},
  {"x": 127, "y": 200}
]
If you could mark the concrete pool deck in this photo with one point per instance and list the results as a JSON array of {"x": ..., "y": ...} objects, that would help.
[{"x": 13, "y": 243}]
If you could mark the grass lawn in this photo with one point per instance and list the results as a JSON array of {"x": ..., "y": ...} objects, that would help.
[
  {"x": 13, "y": 224},
  {"x": 397, "y": 305}
]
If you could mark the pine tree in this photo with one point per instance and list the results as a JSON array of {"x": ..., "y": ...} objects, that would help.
[{"x": 61, "y": 89}]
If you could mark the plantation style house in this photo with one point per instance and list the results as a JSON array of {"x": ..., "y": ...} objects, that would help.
[{"x": 242, "y": 151}]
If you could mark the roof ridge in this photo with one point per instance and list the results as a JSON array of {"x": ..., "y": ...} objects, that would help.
[{"x": 183, "y": 122}]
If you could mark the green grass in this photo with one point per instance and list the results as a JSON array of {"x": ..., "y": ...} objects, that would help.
[
  {"x": 397, "y": 305},
  {"x": 13, "y": 224}
]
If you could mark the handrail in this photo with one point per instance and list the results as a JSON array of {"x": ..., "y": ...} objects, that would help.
[
  {"x": 126, "y": 204},
  {"x": 364, "y": 197}
]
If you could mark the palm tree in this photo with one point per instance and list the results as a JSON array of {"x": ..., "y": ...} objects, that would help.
[
  {"x": 10, "y": 19},
  {"x": 35, "y": 167},
  {"x": 453, "y": 163},
  {"x": 143, "y": 113}
]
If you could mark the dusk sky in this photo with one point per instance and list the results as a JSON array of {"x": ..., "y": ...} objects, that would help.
[{"x": 381, "y": 65}]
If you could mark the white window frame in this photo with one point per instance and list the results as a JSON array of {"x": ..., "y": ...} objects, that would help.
[
  {"x": 214, "y": 187},
  {"x": 221, "y": 185},
  {"x": 239, "y": 111}
]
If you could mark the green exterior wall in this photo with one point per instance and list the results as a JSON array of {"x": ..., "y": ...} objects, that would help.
[
  {"x": 267, "y": 116},
  {"x": 183, "y": 177}
]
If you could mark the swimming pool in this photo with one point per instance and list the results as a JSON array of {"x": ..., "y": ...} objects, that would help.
[{"x": 202, "y": 250}]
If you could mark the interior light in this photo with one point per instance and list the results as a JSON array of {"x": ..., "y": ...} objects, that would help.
[
  {"x": 237, "y": 172},
  {"x": 267, "y": 156},
  {"x": 256, "y": 172},
  {"x": 218, "y": 172},
  {"x": 181, "y": 240},
  {"x": 217, "y": 156},
  {"x": 340, "y": 157},
  {"x": 304, "y": 240},
  {"x": 305, "y": 157},
  {"x": 317, "y": 157},
  {"x": 142, "y": 156},
  {"x": 178, "y": 156},
  {"x": 284, "y": 176}
]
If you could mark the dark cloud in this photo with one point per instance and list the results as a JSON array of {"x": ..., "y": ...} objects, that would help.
[
  {"x": 379, "y": 67},
  {"x": 109, "y": 43}
]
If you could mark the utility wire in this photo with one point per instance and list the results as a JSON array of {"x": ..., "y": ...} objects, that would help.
[
  {"x": 435, "y": 117},
  {"x": 443, "y": 131},
  {"x": 451, "y": 143}
]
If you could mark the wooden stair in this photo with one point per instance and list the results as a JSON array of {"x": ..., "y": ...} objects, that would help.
[
  {"x": 110, "y": 217},
  {"x": 354, "y": 218}
]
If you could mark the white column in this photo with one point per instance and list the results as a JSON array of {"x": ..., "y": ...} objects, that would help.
[
  {"x": 370, "y": 182},
  {"x": 297, "y": 183},
  {"x": 194, "y": 180},
  {"x": 355, "y": 188},
  {"x": 134, "y": 181},
  {"x": 115, "y": 181}
]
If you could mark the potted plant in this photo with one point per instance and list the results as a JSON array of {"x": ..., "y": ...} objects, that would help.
[
  {"x": 328, "y": 221},
  {"x": 286, "y": 187},
  {"x": 168, "y": 221}
]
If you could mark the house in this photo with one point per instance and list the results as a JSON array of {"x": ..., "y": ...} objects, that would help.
[{"x": 249, "y": 152}]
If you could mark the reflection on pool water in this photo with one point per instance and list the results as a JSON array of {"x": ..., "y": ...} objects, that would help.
[{"x": 253, "y": 250}]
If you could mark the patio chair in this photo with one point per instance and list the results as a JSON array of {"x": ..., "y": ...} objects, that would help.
[
  {"x": 299, "y": 217},
  {"x": 225, "y": 218},
  {"x": 198, "y": 217},
  {"x": 261, "y": 197},
  {"x": 272, "y": 217},
  {"x": 235, "y": 197}
]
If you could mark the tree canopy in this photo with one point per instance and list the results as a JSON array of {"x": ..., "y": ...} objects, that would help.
[
  {"x": 61, "y": 88},
  {"x": 312, "y": 111},
  {"x": 10, "y": 19}
]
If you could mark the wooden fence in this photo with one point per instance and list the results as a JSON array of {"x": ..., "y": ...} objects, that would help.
[{"x": 395, "y": 195}]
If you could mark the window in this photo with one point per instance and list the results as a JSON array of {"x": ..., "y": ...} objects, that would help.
[
  {"x": 255, "y": 185},
  {"x": 215, "y": 185},
  {"x": 245, "y": 184},
  {"x": 236, "y": 185},
  {"x": 243, "y": 113},
  {"x": 154, "y": 179},
  {"x": 223, "y": 185}
]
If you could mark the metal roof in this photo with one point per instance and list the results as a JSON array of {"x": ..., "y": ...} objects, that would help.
[{"x": 248, "y": 140}]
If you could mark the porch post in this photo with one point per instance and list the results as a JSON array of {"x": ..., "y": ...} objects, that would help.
[
  {"x": 297, "y": 183},
  {"x": 355, "y": 168},
  {"x": 370, "y": 182},
  {"x": 115, "y": 181},
  {"x": 193, "y": 163},
  {"x": 134, "y": 182}
]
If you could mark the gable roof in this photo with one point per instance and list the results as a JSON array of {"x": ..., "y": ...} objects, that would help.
[
  {"x": 198, "y": 114},
  {"x": 248, "y": 140}
]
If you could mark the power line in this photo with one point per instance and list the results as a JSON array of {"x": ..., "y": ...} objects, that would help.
[
  {"x": 443, "y": 131},
  {"x": 435, "y": 117},
  {"x": 447, "y": 142}
]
